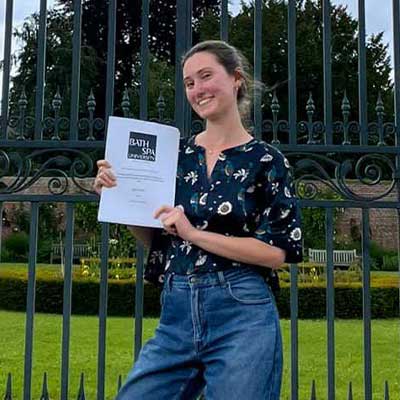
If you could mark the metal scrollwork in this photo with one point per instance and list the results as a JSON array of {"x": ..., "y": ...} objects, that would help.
[
  {"x": 369, "y": 170},
  {"x": 62, "y": 166},
  {"x": 275, "y": 127}
]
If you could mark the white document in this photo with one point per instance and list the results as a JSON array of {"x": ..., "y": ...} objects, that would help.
[{"x": 144, "y": 158}]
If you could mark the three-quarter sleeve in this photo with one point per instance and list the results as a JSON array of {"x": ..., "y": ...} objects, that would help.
[
  {"x": 279, "y": 219},
  {"x": 156, "y": 260}
]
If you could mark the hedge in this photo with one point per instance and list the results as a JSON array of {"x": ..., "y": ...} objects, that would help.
[{"x": 121, "y": 295}]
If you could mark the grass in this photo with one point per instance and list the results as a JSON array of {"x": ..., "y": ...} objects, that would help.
[{"x": 84, "y": 343}]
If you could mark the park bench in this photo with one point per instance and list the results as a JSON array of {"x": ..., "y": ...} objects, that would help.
[
  {"x": 79, "y": 250},
  {"x": 341, "y": 258}
]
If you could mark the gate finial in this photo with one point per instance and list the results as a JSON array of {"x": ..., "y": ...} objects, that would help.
[
  {"x": 81, "y": 393},
  {"x": 313, "y": 391},
  {"x": 386, "y": 390},
  {"x": 350, "y": 394},
  {"x": 8, "y": 395},
  {"x": 45, "y": 392}
]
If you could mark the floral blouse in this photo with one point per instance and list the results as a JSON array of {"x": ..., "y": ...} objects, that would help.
[{"x": 249, "y": 194}]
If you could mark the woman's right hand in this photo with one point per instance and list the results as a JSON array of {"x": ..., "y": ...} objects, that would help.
[{"x": 104, "y": 177}]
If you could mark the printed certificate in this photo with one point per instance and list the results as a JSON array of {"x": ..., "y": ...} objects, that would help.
[{"x": 144, "y": 158}]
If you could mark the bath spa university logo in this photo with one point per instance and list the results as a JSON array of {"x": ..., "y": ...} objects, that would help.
[{"x": 142, "y": 146}]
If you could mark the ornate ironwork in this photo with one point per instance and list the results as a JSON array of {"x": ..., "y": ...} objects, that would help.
[
  {"x": 21, "y": 122},
  {"x": 275, "y": 126},
  {"x": 310, "y": 127},
  {"x": 370, "y": 170},
  {"x": 61, "y": 165},
  {"x": 91, "y": 124},
  {"x": 56, "y": 124},
  {"x": 348, "y": 128}
]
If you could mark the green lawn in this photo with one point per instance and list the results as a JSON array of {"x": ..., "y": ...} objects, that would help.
[{"x": 83, "y": 358}]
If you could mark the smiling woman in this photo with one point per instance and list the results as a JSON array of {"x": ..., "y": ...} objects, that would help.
[{"x": 235, "y": 219}]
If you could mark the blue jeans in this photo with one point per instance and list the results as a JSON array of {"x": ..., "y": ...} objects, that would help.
[{"x": 218, "y": 331}]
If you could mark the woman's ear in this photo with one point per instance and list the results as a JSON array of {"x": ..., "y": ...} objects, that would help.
[{"x": 238, "y": 78}]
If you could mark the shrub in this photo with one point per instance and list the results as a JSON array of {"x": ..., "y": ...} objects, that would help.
[
  {"x": 16, "y": 247},
  {"x": 44, "y": 250},
  {"x": 377, "y": 254},
  {"x": 121, "y": 297},
  {"x": 390, "y": 263}
]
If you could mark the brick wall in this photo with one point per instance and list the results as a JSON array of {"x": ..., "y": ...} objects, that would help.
[{"x": 384, "y": 223}]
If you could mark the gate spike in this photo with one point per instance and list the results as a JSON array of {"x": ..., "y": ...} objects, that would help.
[
  {"x": 313, "y": 391},
  {"x": 386, "y": 390},
  {"x": 119, "y": 383},
  {"x": 350, "y": 395},
  {"x": 81, "y": 394},
  {"x": 8, "y": 395},
  {"x": 45, "y": 392}
]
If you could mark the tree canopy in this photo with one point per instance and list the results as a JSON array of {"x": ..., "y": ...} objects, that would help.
[
  {"x": 206, "y": 26},
  {"x": 309, "y": 55}
]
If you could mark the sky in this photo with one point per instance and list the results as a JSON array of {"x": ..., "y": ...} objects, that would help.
[{"x": 378, "y": 17}]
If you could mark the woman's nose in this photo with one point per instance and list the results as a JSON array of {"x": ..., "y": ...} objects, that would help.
[{"x": 198, "y": 88}]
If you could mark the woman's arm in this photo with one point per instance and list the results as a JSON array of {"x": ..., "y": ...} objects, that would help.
[
  {"x": 144, "y": 235},
  {"x": 243, "y": 249}
]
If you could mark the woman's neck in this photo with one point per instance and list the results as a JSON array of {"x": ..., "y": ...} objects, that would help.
[{"x": 227, "y": 130}]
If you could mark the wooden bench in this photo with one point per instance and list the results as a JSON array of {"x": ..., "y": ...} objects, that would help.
[
  {"x": 341, "y": 258},
  {"x": 79, "y": 250}
]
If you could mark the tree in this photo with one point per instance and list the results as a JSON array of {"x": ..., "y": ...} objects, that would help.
[
  {"x": 309, "y": 55},
  {"x": 58, "y": 61},
  {"x": 206, "y": 26},
  {"x": 94, "y": 51}
]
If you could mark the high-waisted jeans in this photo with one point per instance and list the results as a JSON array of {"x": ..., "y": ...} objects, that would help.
[{"x": 218, "y": 331}]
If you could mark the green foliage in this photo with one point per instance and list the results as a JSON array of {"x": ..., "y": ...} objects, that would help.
[
  {"x": 313, "y": 220},
  {"x": 58, "y": 61},
  {"x": 377, "y": 254},
  {"x": 94, "y": 53},
  {"x": 121, "y": 243},
  {"x": 205, "y": 26},
  {"x": 121, "y": 295},
  {"x": 44, "y": 250},
  {"x": 86, "y": 218},
  {"x": 21, "y": 217},
  {"x": 309, "y": 56},
  {"x": 16, "y": 247},
  {"x": 390, "y": 263}
]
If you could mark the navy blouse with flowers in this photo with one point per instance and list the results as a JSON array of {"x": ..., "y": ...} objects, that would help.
[{"x": 250, "y": 194}]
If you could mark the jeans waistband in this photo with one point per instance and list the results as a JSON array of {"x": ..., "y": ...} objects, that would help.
[{"x": 209, "y": 278}]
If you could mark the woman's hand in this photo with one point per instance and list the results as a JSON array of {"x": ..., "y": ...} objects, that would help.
[
  {"x": 175, "y": 221},
  {"x": 104, "y": 176}
]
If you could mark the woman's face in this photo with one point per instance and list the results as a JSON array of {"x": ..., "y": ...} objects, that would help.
[{"x": 210, "y": 90}]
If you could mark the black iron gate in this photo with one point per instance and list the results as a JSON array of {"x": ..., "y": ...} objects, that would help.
[{"x": 61, "y": 150}]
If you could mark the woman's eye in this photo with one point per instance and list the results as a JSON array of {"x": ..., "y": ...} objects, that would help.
[
  {"x": 189, "y": 84},
  {"x": 205, "y": 76}
]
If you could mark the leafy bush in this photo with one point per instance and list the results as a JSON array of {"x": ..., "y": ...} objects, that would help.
[
  {"x": 390, "y": 263},
  {"x": 313, "y": 219},
  {"x": 377, "y": 254},
  {"x": 16, "y": 247},
  {"x": 44, "y": 250},
  {"x": 121, "y": 297}
]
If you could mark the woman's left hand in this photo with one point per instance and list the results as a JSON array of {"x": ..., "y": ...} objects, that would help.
[{"x": 175, "y": 221}]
